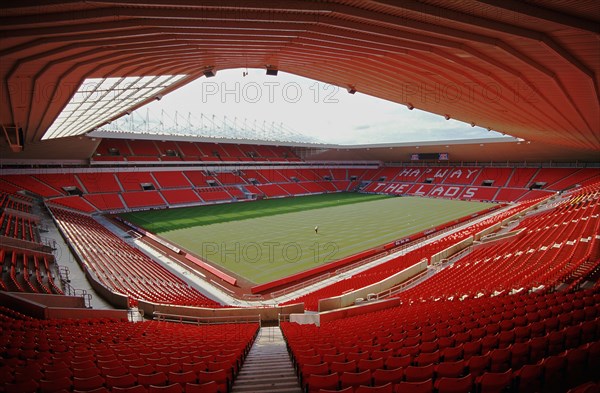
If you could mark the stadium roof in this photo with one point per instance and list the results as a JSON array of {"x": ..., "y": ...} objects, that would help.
[{"x": 529, "y": 70}]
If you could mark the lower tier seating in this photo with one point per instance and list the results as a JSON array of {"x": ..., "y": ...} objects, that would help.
[
  {"x": 122, "y": 268},
  {"x": 109, "y": 355},
  {"x": 530, "y": 342}
]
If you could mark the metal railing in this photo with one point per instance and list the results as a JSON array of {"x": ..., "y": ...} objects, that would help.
[{"x": 197, "y": 320}]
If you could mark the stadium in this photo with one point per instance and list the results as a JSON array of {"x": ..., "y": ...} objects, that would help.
[{"x": 145, "y": 261}]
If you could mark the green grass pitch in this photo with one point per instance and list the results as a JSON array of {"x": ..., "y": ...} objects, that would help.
[{"x": 265, "y": 240}]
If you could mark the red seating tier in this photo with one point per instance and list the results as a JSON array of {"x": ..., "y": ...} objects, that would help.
[
  {"x": 171, "y": 179},
  {"x": 175, "y": 197},
  {"x": 74, "y": 202},
  {"x": 475, "y": 342},
  {"x": 131, "y": 181},
  {"x": 32, "y": 185},
  {"x": 105, "y": 202},
  {"x": 141, "y": 278},
  {"x": 110, "y": 355},
  {"x": 142, "y": 147},
  {"x": 143, "y": 199},
  {"x": 521, "y": 177},
  {"x": 99, "y": 182}
]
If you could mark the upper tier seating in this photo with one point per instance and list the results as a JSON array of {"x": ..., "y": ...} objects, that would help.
[
  {"x": 175, "y": 197},
  {"x": 132, "y": 181},
  {"x": 521, "y": 177},
  {"x": 74, "y": 202},
  {"x": 99, "y": 182},
  {"x": 146, "y": 150},
  {"x": 447, "y": 182},
  {"x": 171, "y": 179},
  {"x": 105, "y": 202},
  {"x": 31, "y": 184},
  {"x": 496, "y": 177},
  {"x": 143, "y": 199}
]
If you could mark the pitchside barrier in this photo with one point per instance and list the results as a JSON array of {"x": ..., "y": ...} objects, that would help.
[
  {"x": 266, "y": 313},
  {"x": 45, "y": 306},
  {"x": 347, "y": 312},
  {"x": 349, "y": 298}
]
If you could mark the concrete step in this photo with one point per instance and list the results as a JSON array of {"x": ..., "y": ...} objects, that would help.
[{"x": 267, "y": 367}]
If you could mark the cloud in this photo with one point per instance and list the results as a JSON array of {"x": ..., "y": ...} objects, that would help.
[{"x": 323, "y": 112}]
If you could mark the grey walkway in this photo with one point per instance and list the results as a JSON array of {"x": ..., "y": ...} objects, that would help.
[{"x": 268, "y": 367}]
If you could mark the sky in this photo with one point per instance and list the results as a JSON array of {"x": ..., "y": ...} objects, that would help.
[{"x": 324, "y": 113}]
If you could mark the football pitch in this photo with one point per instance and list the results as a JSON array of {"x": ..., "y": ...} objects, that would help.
[{"x": 265, "y": 240}]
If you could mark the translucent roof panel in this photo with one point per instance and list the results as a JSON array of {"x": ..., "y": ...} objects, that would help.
[{"x": 99, "y": 100}]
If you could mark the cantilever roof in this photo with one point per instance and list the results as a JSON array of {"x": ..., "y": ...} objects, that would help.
[{"x": 527, "y": 69}]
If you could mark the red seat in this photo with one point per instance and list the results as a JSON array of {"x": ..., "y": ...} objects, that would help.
[
  {"x": 388, "y": 388},
  {"x": 519, "y": 355},
  {"x": 538, "y": 348},
  {"x": 357, "y": 356},
  {"x": 589, "y": 331},
  {"x": 312, "y": 369},
  {"x": 529, "y": 378},
  {"x": 122, "y": 381},
  {"x": 130, "y": 389},
  {"x": 86, "y": 372},
  {"x": 454, "y": 385},
  {"x": 384, "y": 354},
  {"x": 29, "y": 386},
  {"x": 370, "y": 364},
  {"x": 113, "y": 371},
  {"x": 156, "y": 379},
  {"x": 471, "y": 348},
  {"x": 450, "y": 369},
  {"x": 318, "y": 382},
  {"x": 495, "y": 382},
  {"x": 506, "y": 338},
  {"x": 588, "y": 387},
  {"x": 398, "y": 361},
  {"x": 87, "y": 384},
  {"x": 145, "y": 369},
  {"x": 168, "y": 368},
  {"x": 488, "y": 343},
  {"x": 427, "y": 347},
  {"x": 499, "y": 360},
  {"x": 450, "y": 354},
  {"x": 419, "y": 374},
  {"x": 219, "y": 376},
  {"x": 572, "y": 336},
  {"x": 382, "y": 377},
  {"x": 347, "y": 390},
  {"x": 182, "y": 378},
  {"x": 478, "y": 365},
  {"x": 355, "y": 379},
  {"x": 172, "y": 388},
  {"x": 576, "y": 366},
  {"x": 414, "y": 387},
  {"x": 209, "y": 387},
  {"x": 554, "y": 373},
  {"x": 340, "y": 368},
  {"x": 556, "y": 342},
  {"x": 428, "y": 358},
  {"x": 330, "y": 358},
  {"x": 52, "y": 375},
  {"x": 522, "y": 333}
]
